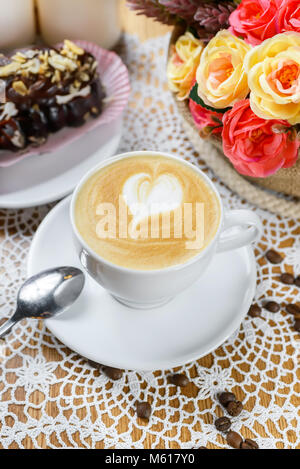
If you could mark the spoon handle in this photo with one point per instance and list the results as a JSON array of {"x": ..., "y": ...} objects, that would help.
[{"x": 6, "y": 327}]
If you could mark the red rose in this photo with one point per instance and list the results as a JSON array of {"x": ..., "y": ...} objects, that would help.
[
  {"x": 255, "y": 20},
  {"x": 204, "y": 118},
  {"x": 251, "y": 144},
  {"x": 289, "y": 16}
]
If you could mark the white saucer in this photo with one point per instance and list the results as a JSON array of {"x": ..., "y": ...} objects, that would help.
[
  {"x": 189, "y": 327},
  {"x": 40, "y": 179}
]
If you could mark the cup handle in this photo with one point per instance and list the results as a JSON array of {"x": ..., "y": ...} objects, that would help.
[{"x": 251, "y": 229}]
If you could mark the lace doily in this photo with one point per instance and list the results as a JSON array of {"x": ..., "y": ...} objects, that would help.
[{"x": 50, "y": 397}]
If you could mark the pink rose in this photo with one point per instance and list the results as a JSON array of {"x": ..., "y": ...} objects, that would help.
[
  {"x": 251, "y": 144},
  {"x": 255, "y": 20},
  {"x": 289, "y": 16},
  {"x": 204, "y": 118}
]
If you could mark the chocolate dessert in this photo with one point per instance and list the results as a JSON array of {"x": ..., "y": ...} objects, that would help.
[{"x": 47, "y": 89}]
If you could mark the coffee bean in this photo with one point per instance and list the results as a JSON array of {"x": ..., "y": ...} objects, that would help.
[
  {"x": 297, "y": 325},
  {"x": 223, "y": 424},
  {"x": 179, "y": 380},
  {"x": 113, "y": 373},
  {"x": 249, "y": 444},
  {"x": 273, "y": 257},
  {"x": 293, "y": 309},
  {"x": 143, "y": 410},
  {"x": 234, "y": 408},
  {"x": 272, "y": 306},
  {"x": 297, "y": 281},
  {"x": 254, "y": 311},
  {"x": 226, "y": 397},
  {"x": 94, "y": 364},
  {"x": 287, "y": 279},
  {"x": 234, "y": 439}
]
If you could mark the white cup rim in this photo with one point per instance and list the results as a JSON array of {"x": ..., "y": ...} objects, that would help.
[{"x": 121, "y": 156}]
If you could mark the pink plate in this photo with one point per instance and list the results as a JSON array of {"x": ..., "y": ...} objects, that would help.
[{"x": 114, "y": 76}]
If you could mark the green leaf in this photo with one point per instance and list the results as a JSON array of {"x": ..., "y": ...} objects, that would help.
[{"x": 196, "y": 98}]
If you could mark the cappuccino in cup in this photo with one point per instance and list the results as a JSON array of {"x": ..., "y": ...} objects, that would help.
[
  {"x": 147, "y": 212},
  {"x": 147, "y": 225}
]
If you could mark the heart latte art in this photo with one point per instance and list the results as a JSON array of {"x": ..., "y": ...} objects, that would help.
[
  {"x": 143, "y": 212},
  {"x": 145, "y": 197}
]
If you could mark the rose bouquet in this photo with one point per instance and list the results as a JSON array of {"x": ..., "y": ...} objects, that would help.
[{"x": 237, "y": 65}]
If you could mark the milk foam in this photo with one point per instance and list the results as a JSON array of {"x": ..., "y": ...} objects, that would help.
[{"x": 145, "y": 196}]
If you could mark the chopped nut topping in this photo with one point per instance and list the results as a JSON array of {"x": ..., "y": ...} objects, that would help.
[
  {"x": 20, "y": 88},
  {"x": 31, "y": 66},
  {"x": 7, "y": 111},
  {"x": 52, "y": 64},
  {"x": 9, "y": 69},
  {"x": 84, "y": 92},
  {"x": 56, "y": 77},
  {"x": 19, "y": 58},
  {"x": 84, "y": 76},
  {"x": 35, "y": 80},
  {"x": 62, "y": 63},
  {"x": 70, "y": 46},
  {"x": 18, "y": 139},
  {"x": 29, "y": 54},
  {"x": 43, "y": 69},
  {"x": 76, "y": 85},
  {"x": 94, "y": 66},
  {"x": 44, "y": 57}
]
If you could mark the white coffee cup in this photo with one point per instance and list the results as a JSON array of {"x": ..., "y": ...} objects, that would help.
[{"x": 152, "y": 288}]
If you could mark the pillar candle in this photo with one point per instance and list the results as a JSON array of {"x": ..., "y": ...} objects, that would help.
[
  {"x": 17, "y": 23},
  {"x": 92, "y": 20}
]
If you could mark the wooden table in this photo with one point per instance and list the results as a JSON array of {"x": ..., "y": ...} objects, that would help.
[{"x": 145, "y": 28}]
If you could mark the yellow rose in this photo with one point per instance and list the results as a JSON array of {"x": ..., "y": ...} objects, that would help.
[
  {"x": 273, "y": 70},
  {"x": 183, "y": 64},
  {"x": 221, "y": 76}
]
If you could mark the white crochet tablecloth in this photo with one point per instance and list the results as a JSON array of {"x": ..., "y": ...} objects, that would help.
[{"x": 50, "y": 397}]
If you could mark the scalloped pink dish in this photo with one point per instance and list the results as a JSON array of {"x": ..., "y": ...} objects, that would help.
[{"x": 114, "y": 76}]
